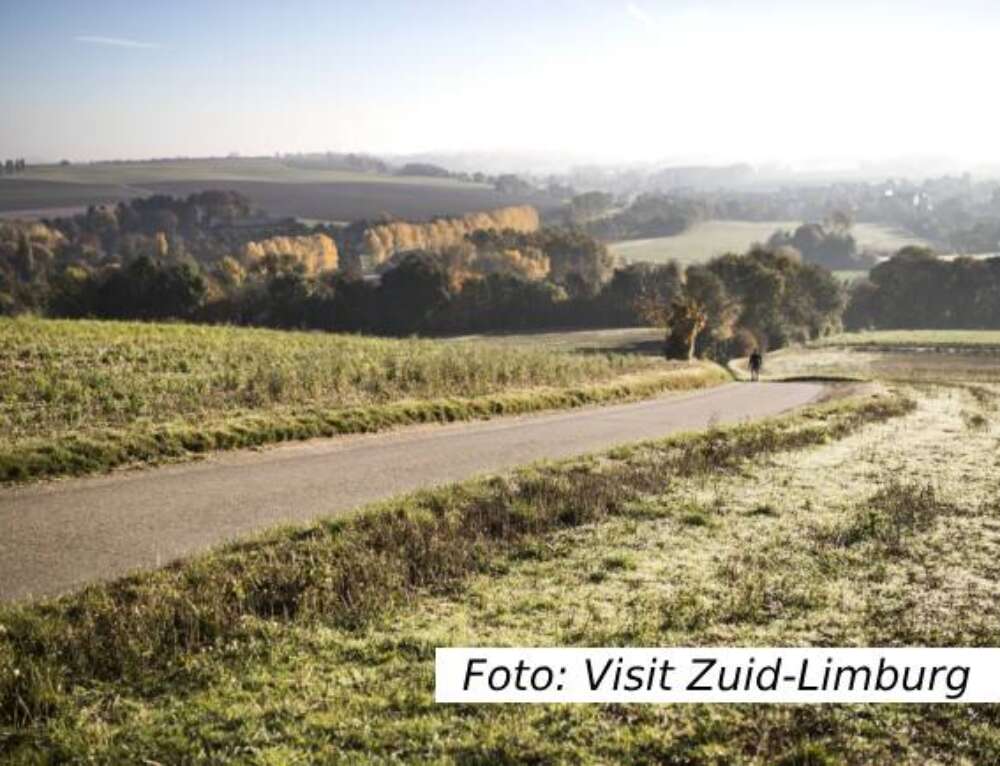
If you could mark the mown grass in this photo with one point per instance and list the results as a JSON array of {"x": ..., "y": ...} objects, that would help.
[
  {"x": 915, "y": 338},
  {"x": 78, "y": 397},
  {"x": 169, "y": 632}
]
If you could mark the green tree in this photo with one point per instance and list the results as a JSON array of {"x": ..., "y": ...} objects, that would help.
[{"x": 412, "y": 293}]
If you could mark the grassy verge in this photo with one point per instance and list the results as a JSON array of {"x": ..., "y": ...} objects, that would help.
[
  {"x": 172, "y": 631},
  {"x": 101, "y": 450},
  {"x": 79, "y": 397}
]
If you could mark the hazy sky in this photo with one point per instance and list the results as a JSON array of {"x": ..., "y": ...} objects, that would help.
[{"x": 714, "y": 80}]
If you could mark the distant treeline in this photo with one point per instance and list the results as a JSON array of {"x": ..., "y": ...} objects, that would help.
[
  {"x": 829, "y": 244},
  {"x": 505, "y": 183},
  {"x": 12, "y": 167},
  {"x": 648, "y": 215},
  {"x": 917, "y": 290},
  {"x": 355, "y": 163},
  {"x": 955, "y": 213},
  {"x": 210, "y": 258}
]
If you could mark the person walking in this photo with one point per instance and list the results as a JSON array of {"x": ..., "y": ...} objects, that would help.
[{"x": 756, "y": 362}]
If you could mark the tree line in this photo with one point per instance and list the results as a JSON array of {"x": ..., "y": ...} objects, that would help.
[
  {"x": 204, "y": 259},
  {"x": 11, "y": 167},
  {"x": 918, "y": 290},
  {"x": 649, "y": 215}
]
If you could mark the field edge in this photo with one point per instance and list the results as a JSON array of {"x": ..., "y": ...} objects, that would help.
[{"x": 107, "y": 449}]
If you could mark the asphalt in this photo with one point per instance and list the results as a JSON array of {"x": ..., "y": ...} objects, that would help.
[{"x": 58, "y": 536}]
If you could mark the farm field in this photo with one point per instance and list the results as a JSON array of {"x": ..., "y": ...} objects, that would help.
[
  {"x": 280, "y": 189},
  {"x": 41, "y": 199},
  {"x": 249, "y": 169},
  {"x": 916, "y": 338},
  {"x": 79, "y": 396},
  {"x": 711, "y": 238},
  {"x": 943, "y": 357},
  {"x": 813, "y": 529},
  {"x": 625, "y": 339}
]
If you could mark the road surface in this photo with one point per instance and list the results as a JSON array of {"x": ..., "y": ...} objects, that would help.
[{"x": 58, "y": 536}]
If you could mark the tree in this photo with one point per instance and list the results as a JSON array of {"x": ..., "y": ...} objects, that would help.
[
  {"x": 423, "y": 169},
  {"x": 24, "y": 262},
  {"x": 686, "y": 320},
  {"x": 146, "y": 289},
  {"x": 780, "y": 298},
  {"x": 72, "y": 293},
  {"x": 640, "y": 292},
  {"x": 831, "y": 245},
  {"x": 412, "y": 292},
  {"x": 509, "y": 183},
  {"x": 915, "y": 289},
  {"x": 721, "y": 308},
  {"x": 584, "y": 207}
]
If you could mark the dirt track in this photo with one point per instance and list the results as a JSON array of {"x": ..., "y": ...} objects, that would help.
[{"x": 59, "y": 536}]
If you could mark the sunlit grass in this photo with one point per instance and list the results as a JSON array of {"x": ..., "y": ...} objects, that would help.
[
  {"x": 711, "y": 238},
  {"x": 79, "y": 396},
  {"x": 914, "y": 338},
  {"x": 346, "y": 612}
]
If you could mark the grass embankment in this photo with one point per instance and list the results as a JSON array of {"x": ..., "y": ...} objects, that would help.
[
  {"x": 146, "y": 665},
  {"x": 80, "y": 397}
]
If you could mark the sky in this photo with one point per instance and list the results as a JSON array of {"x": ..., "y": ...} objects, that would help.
[{"x": 598, "y": 80}]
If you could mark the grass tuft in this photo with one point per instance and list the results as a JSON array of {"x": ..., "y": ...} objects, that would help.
[{"x": 895, "y": 511}]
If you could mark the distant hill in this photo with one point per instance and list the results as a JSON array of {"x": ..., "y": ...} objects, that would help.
[{"x": 284, "y": 188}]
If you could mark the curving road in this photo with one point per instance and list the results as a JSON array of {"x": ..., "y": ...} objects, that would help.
[{"x": 58, "y": 536}]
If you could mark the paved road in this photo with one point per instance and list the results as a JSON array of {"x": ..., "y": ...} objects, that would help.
[{"x": 58, "y": 536}]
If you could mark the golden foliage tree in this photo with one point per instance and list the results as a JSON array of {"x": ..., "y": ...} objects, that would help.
[{"x": 316, "y": 252}]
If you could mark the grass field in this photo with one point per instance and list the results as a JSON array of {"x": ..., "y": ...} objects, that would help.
[
  {"x": 711, "y": 238},
  {"x": 84, "y": 396},
  {"x": 869, "y": 520},
  {"x": 941, "y": 357},
  {"x": 625, "y": 339},
  {"x": 916, "y": 338},
  {"x": 279, "y": 189},
  {"x": 317, "y": 644},
  {"x": 249, "y": 169}
]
